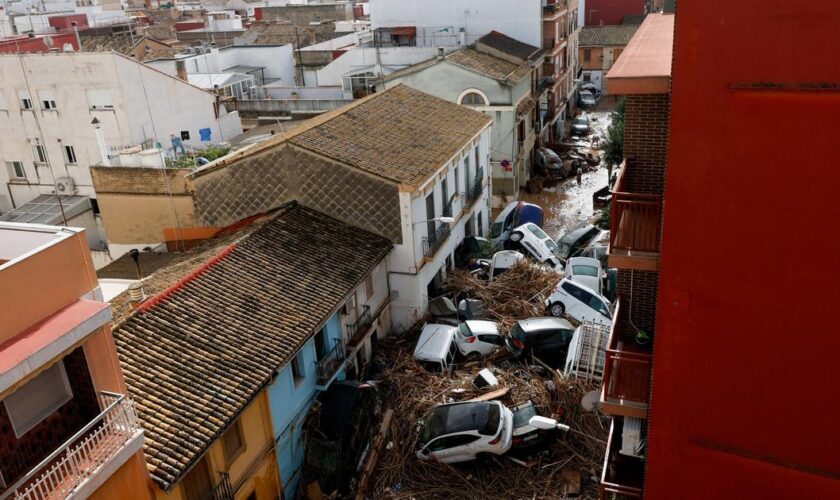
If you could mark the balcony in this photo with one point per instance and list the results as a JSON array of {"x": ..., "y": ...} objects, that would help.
[
  {"x": 552, "y": 9},
  {"x": 88, "y": 458},
  {"x": 357, "y": 330},
  {"x": 433, "y": 242},
  {"x": 447, "y": 208},
  {"x": 474, "y": 191},
  {"x": 331, "y": 364},
  {"x": 223, "y": 490},
  {"x": 636, "y": 221},
  {"x": 622, "y": 475},
  {"x": 626, "y": 371}
]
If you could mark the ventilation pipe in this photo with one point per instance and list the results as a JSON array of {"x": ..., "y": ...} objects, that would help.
[{"x": 136, "y": 294}]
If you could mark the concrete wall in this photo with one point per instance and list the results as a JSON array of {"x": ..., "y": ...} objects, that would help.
[
  {"x": 146, "y": 104},
  {"x": 389, "y": 59},
  {"x": 270, "y": 106},
  {"x": 476, "y": 17},
  {"x": 276, "y": 61}
]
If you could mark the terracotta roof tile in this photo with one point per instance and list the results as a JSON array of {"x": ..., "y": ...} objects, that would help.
[
  {"x": 605, "y": 36},
  {"x": 194, "y": 358},
  {"x": 489, "y": 65}
]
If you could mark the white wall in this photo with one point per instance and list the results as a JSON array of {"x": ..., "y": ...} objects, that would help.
[
  {"x": 520, "y": 19},
  {"x": 173, "y": 105},
  {"x": 409, "y": 273},
  {"x": 277, "y": 61},
  {"x": 359, "y": 58}
]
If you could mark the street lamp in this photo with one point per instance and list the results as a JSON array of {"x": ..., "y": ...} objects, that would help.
[{"x": 445, "y": 220}]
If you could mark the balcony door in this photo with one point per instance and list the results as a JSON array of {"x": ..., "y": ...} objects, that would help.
[{"x": 430, "y": 214}]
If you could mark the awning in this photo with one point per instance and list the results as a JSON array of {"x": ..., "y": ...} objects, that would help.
[{"x": 403, "y": 30}]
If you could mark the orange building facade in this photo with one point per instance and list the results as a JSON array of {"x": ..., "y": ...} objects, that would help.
[{"x": 67, "y": 427}]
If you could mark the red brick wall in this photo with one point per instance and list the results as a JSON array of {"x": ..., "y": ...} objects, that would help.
[
  {"x": 18, "y": 456},
  {"x": 646, "y": 141},
  {"x": 639, "y": 301}
]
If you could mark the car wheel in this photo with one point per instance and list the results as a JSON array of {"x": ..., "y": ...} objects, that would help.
[
  {"x": 516, "y": 236},
  {"x": 556, "y": 309}
]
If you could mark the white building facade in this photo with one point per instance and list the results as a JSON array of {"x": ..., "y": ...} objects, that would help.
[{"x": 48, "y": 103}]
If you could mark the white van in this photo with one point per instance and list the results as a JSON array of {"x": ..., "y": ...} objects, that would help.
[
  {"x": 436, "y": 348},
  {"x": 579, "y": 303}
]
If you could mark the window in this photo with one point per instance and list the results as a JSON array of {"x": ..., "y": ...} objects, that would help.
[
  {"x": 298, "y": 370},
  {"x": 38, "y": 399},
  {"x": 587, "y": 77},
  {"x": 16, "y": 170},
  {"x": 39, "y": 153},
  {"x": 69, "y": 155},
  {"x": 457, "y": 179},
  {"x": 25, "y": 99},
  {"x": 477, "y": 162},
  {"x": 320, "y": 345},
  {"x": 473, "y": 99},
  {"x": 444, "y": 197},
  {"x": 47, "y": 99},
  {"x": 452, "y": 442},
  {"x": 100, "y": 99},
  {"x": 587, "y": 55},
  {"x": 369, "y": 291},
  {"x": 598, "y": 305},
  {"x": 233, "y": 442}
]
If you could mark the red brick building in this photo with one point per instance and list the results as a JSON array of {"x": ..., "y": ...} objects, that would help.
[{"x": 38, "y": 43}]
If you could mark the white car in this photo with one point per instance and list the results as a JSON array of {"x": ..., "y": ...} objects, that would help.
[
  {"x": 459, "y": 432},
  {"x": 579, "y": 303},
  {"x": 586, "y": 271},
  {"x": 538, "y": 244},
  {"x": 435, "y": 349},
  {"x": 476, "y": 338}
]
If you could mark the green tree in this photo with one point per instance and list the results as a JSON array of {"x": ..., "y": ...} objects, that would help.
[{"x": 614, "y": 148}]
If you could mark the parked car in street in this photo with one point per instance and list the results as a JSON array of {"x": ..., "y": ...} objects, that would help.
[
  {"x": 592, "y": 89},
  {"x": 546, "y": 338},
  {"x": 476, "y": 339},
  {"x": 515, "y": 214},
  {"x": 459, "y": 432},
  {"x": 580, "y": 125},
  {"x": 500, "y": 263},
  {"x": 579, "y": 303},
  {"x": 586, "y": 99},
  {"x": 435, "y": 349},
  {"x": 575, "y": 240},
  {"x": 586, "y": 271},
  {"x": 538, "y": 244}
]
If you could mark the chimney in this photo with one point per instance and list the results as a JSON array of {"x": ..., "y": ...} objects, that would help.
[
  {"x": 136, "y": 295},
  {"x": 181, "y": 69}
]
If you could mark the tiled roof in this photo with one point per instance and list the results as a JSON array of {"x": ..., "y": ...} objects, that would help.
[
  {"x": 606, "y": 36},
  {"x": 401, "y": 134},
  {"x": 221, "y": 323},
  {"x": 124, "y": 267},
  {"x": 489, "y": 65},
  {"x": 508, "y": 45}
]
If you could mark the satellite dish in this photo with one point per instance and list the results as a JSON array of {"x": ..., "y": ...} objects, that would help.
[
  {"x": 590, "y": 400},
  {"x": 48, "y": 41}
]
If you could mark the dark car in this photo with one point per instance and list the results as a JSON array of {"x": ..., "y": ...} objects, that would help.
[
  {"x": 586, "y": 99},
  {"x": 550, "y": 164},
  {"x": 574, "y": 241},
  {"x": 546, "y": 338},
  {"x": 580, "y": 125},
  {"x": 591, "y": 88}
]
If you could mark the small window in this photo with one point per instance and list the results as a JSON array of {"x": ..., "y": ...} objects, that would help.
[
  {"x": 49, "y": 104},
  {"x": 233, "y": 442},
  {"x": 70, "y": 155},
  {"x": 587, "y": 55},
  {"x": 38, "y": 399},
  {"x": 457, "y": 179},
  {"x": 16, "y": 170},
  {"x": 39, "y": 153},
  {"x": 298, "y": 370},
  {"x": 25, "y": 99},
  {"x": 369, "y": 286},
  {"x": 47, "y": 98},
  {"x": 473, "y": 99}
]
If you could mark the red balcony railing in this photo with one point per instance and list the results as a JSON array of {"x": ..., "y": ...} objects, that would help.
[
  {"x": 627, "y": 368},
  {"x": 636, "y": 219},
  {"x": 621, "y": 476}
]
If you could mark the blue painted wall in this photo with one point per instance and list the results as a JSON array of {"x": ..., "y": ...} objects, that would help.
[{"x": 290, "y": 400}]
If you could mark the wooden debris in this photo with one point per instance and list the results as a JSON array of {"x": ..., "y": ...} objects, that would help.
[
  {"x": 492, "y": 395},
  {"x": 375, "y": 452}
]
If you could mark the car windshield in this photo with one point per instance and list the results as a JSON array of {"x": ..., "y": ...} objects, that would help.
[
  {"x": 497, "y": 229},
  {"x": 552, "y": 247},
  {"x": 494, "y": 418},
  {"x": 462, "y": 417},
  {"x": 581, "y": 121},
  {"x": 464, "y": 329},
  {"x": 517, "y": 332},
  {"x": 585, "y": 271},
  {"x": 551, "y": 156},
  {"x": 563, "y": 250},
  {"x": 537, "y": 231}
]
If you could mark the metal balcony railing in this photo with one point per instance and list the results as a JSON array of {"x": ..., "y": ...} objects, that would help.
[
  {"x": 636, "y": 218},
  {"x": 473, "y": 192},
  {"x": 83, "y": 455},
  {"x": 627, "y": 369},
  {"x": 357, "y": 330},
  {"x": 331, "y": 362},
  {"x": 223, "y": 490},
  {"x": 433, "y": 242},
  {"x": 447, "y": 209},
  {"x": 621, "y": 477}
]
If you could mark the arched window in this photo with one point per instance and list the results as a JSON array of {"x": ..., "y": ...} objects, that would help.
[{"x": 473, "y": 99}]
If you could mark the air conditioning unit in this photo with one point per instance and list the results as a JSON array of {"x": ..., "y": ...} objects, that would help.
[
  {"x": 65, "y": 186},
  {"x": 631, "y": 437}
]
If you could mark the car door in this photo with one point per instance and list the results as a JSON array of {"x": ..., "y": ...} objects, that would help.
[
  {"x": 579, "y": 302},
  {"x": 600, "y": 309}
]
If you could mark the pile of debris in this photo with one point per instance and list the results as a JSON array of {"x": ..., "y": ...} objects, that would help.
[{"x": 567, "y": 465}]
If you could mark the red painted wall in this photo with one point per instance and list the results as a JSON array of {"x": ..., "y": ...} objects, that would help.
[
  {"x": 611, "y": 11},
  {"x": 189, "y": 25},
  {"x": 744, "y": 401},
  {"x": 36, "y": 44},
  {"x": 65, "y": 22}
]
